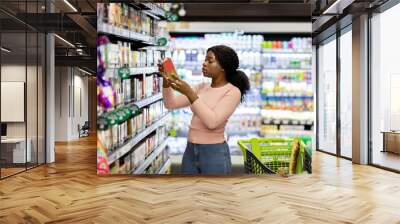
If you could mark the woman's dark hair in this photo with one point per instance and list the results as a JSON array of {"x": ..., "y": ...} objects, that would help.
[{"x": 229, "y": 61}]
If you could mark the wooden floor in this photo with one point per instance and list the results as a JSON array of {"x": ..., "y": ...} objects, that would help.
[
  {"x": 69, "y": 191},
  {"x": 10, "y": 171},
  {"x": 387, "y": 159}
]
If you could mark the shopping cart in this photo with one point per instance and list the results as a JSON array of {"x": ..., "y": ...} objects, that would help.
[{"x": 272, "y": 155}]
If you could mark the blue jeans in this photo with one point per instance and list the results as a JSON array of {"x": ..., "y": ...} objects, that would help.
[{"x": 206, "y": 159}]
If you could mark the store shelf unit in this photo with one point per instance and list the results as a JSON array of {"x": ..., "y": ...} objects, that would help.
[
  {"x": 133, "y": 71},
  {"x": 109, "y": 29},
  {"x": 149, "y": 100},
  {"x": 150, "y": 158},
  {"x": 165, "y": 167},
  {"x": 130, "y": 57},
  {"x": 153, "y": 10},
  {"x": 287, "y": 122},
  {"x": 135, "y": 140}
]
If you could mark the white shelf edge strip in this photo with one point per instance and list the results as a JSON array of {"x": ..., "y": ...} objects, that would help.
[
  {"x": 165, "y": 167},
  {"x": 150, "y": 158},
  {"x": 129, "y": 145},
  {"x": 146, "y": 70},
  {"x": 149, "y": 100},
  {"x": 109, "y": 29}
]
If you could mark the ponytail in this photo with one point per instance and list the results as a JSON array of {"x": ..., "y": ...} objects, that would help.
[{"x": 241, "y": 81}]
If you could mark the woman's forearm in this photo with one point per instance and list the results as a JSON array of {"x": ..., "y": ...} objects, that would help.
[{"x": 192, "y": 96}]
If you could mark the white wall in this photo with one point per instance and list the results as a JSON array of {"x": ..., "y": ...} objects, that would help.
[
  {"x": 16, "y": 73},
  {"x": 61, "y": 103},
  {"x": 71, "y": 93}
]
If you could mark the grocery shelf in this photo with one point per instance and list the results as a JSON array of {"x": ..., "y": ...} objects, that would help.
[
  {"x": 158, "y": 48},
  {"x": 112, "y": 72},
  {"x": 287, "y": 69},
  {"x": 285, "y": 51},
  {"x": 129, "y": 145},
  {"x": 124, "y": 33},
  {"x": 150, "y": 158},
  {"x": 165, "y": 167},
  {"x": 279, "y": 97},
  {"x": 267, "y": 121},
  {"x": 243, "y": 132},
  {"x": 149, "y": 100},
  {"x": 286, "y": 132}
]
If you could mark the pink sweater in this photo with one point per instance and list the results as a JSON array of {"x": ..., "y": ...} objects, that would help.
[{"x": 211, "y": 111}]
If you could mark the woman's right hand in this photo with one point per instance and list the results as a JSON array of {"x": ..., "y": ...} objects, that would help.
[{"x": 166, "y": 82}]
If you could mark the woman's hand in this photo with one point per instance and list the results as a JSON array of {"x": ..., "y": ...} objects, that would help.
[
  {"x": 166, "y": 82},
  {"x": 184, "y": 88}
]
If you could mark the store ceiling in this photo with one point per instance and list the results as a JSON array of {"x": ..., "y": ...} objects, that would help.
[
  {"x": 328, "y": 18},
  {"x": 244, "y": 11},
  {"x": 76, "y": 24}
]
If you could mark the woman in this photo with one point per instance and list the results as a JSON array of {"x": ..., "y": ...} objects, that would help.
[{"x": 207, "y": 151}]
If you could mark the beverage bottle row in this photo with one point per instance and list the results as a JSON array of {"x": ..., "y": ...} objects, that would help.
[
  {"x": 116, "y": 127},
  {"x": 286, "y": 61},
  {"x": 122, "y": 124},
  {"x": 284, "y": 88},
  {"x": 279, "y": 75},
  {"x": 289, "y": 104},
  {"x": 237, "y": 42},
  {"x": 297, "y": 44}
]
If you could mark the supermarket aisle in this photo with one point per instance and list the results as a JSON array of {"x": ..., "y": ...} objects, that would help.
[{"x": 70, "y": 191}]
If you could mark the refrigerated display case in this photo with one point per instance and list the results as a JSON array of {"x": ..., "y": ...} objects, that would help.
[{"x": 280, "y": 101}]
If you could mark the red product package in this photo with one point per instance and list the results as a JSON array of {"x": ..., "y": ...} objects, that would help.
[{"x": 169, "y": 68}]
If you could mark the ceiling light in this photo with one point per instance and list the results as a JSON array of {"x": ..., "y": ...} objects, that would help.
[
  {"x": 5, "y": 50},
  {"x": 70, "y": 5},
  {"x": 86, "y": 72},
  {"x": 64, "y": 40},
  {"x": 182, "y": 12}
]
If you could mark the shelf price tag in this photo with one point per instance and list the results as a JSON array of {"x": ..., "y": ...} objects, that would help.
[{"x": 124, "y": 73}]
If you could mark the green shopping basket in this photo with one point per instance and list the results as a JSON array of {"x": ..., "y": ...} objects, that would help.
[{"x": 268, "y": 155}]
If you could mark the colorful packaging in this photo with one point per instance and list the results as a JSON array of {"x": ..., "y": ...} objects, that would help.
[{"x": 169, "y": 68}]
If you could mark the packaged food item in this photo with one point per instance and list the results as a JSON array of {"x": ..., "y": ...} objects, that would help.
[
  {"x": 113, "y": 126},
  {"x": 293, "y": 156},
  {"x": 169, "y": 68},
  {"x": 104, "y": 133}
]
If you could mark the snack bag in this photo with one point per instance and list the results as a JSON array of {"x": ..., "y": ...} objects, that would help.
[{"x": 169, "y": 68}]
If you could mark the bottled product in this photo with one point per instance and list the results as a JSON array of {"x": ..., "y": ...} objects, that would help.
[
  {"x": 104, "y": 133},
  {"x": 113, "y": 126},
  {"x": 133, "y": 112}
]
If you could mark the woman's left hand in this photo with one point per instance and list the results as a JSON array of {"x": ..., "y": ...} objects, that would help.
[
  {"x": 180, "y": 86},
  {"x": 184, "y": 88}
]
